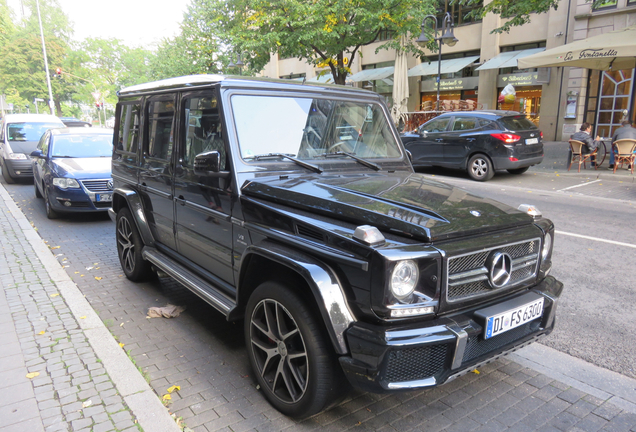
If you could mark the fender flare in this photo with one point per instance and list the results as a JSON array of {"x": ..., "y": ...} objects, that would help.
[
  {"x": 322, "y": 281},
  {"x": 133, "y": 201}
]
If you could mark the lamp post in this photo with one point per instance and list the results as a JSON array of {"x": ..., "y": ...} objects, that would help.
[
  {"x": 239, "y": 63},
  {"x": 447, "y": 37}
]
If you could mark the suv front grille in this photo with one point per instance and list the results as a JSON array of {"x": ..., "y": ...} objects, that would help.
[
  {"x": 467, "y": 274},
  {"x": 97, "y": 186}
]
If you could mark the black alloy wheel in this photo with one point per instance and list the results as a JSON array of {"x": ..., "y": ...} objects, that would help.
[
  {"x": 5, "y": 173},
  {"x": 50, "y": 213},
  {"x": 289, "y": 353},
  {"x": 129, "y": 246},
  {"x": 35, "y": 187},
  {"x": 518, "y": 170},
  {"x": 480, "y": 168}
]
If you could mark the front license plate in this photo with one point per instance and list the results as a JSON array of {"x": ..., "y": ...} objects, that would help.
[
  {"x": 103, "y": 197},
  {"x": 513, "y": 318},
  {"x": 532, "y": 141}
]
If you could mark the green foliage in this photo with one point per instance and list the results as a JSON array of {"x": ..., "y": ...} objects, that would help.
[{"x": 326, "y": 33}]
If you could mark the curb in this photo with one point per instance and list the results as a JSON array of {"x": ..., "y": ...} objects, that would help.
[{"x": 140, "y": 398}]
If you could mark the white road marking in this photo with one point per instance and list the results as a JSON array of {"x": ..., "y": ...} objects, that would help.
[
  {"x": 596, "y": 239},
  {"x": 579, "y": 185}
]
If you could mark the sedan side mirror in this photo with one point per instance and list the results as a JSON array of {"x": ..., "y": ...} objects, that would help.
[
  {"x": 37, "y": 153},
  {"x": 209, "y": 164}
]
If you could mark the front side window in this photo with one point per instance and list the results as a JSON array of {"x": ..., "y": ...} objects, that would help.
[
  {"x": 308, "y": 128},
  {"x": 43, "y": 145},
  {"x": 437, "y": 125},
  {"x": 160, "y": 128},
  {"x": 203, "y": 129}
]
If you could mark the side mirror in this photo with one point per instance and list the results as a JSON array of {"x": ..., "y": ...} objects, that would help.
[
  {"x": 209, "y": 164},
  {"x": 37, "y": 153}
]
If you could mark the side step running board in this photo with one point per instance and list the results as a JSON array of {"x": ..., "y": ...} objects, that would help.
[{"x": 194, "y": 283}]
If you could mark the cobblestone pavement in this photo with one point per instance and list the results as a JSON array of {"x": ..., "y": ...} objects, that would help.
[{"x": 205, "y": 355}]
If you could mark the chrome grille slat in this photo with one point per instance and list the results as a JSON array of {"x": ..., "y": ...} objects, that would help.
[
  {"x": 467, "y": 275},
  {"x": 97, "y": 186}
]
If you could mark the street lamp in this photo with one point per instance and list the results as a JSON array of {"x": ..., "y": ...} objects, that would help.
[
  {"x": 239, "y": 63},
  {"x": 447, "y": 37}
]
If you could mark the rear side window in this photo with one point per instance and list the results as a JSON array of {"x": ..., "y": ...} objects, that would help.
[
  {"x": 517, "y": 123},
  {"x": 29, "y": 131},
  {"x": 465, "y": 123},
  {"x": 128, "y": 132},
  {"x": 160, "y": 124}
]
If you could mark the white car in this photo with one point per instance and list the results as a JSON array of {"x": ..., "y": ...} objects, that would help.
[{"x": 19, "y": 135}]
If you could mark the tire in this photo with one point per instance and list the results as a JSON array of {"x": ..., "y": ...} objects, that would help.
[
  {"x": 129, "y": 246},
  {"x": 518, "y": 170},
  {"x": 50, "y": 213},
  {"x": 480, "y": 168},
  {"x": 313, "y": 376},
  {"x": 37, "y": 191},
  {"x": 5, "y": 173}
]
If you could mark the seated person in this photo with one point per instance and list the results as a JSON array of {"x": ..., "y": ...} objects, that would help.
[
  {"x": 626, "y": 131},
  {"x": 584, "y": 135}
]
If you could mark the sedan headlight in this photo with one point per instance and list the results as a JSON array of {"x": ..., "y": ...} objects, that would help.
[
  {"x": 547, "y": 246},
  {"x": 404, "y": 278},
  {"x": 66, "y": 183},
  {"x": 17, "y": 156}
]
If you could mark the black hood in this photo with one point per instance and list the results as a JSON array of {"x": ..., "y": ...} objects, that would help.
[{"x": 401, "y": 203}]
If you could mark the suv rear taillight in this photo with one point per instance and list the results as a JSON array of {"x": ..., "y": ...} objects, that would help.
[
  {"x": 541, "y": 133},
  {"x": 506, "y": 137}
]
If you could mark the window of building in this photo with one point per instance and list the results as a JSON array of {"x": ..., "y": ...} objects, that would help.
[
  {"x": 462, "y": 14},
  {"x": 631, "y": 2},
  {"x": 614, "y": 96},
  {"x": 513, "y": 70},
  {"x": 387, "y": 35},
  {"x": 606, "y": 4},
  {"x": 293, "y": 76}
]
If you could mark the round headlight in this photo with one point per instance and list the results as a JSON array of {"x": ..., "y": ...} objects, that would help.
[
  {"x": 404, "y": 279},
  {"x": 547, "y": 245}
]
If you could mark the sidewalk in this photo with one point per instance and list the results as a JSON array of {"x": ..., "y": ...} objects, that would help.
[
  {"x": 60, "y": 368},
  {"x": 86, "y": 382}
]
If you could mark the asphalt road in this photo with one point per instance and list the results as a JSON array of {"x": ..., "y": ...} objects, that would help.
[{"x": 595, "y": 321}]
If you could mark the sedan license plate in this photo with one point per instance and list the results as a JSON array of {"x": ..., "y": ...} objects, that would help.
[
  {"x": 513, "y": 318},
  {"x": 532, "y": 141},
  {"x": 103, "y": 197}
]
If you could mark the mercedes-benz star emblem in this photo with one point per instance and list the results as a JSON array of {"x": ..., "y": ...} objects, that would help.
[
  {"x": 499, "y": 265},
  {"x": 109, "y": 185},
  {"x": 475, "y": 213}
]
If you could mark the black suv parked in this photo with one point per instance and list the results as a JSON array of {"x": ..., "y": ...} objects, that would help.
[
  {"x": 478, "y": 142},
  {"x": 295, "y": 207}
]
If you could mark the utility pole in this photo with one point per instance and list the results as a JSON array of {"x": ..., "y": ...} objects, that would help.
[{"x": 46, "y": 62}]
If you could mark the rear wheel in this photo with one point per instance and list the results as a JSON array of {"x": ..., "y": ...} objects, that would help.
[
  {"x": 129, "y": 246},
  {"x": 480, "y": 168},
  {"x": 50, "y": 213},
  {"x": 289, "y": 353},
  {"x": 5, "y": 173},
  {"x": 518, "y": 170}
]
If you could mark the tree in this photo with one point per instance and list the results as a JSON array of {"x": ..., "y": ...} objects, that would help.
[{"x": 326, "y": 33}]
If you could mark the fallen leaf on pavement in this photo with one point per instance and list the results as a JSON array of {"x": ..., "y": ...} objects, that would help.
[
  {"x": 55, "y": 247},
  {"x": 121, "y": 345},
  {"x": 166, "y": 397},
  {"x": 475, "y": 371},
  {"x": 87, "y": 403},
  {"x": 173, "y": 388},
  {"x": 55, "y": 294},
  {"x": 32, "y": 375},
  {"x": 98, "y": 278},
  {"x": 42, "y": 332},
  {"x": 83, "y": 317}
]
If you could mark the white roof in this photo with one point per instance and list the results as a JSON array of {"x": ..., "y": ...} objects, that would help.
[
  {"x": 447, "y": 66},
  {"x": 508, "y": 59},
  {"x": 31, "y": 118}
]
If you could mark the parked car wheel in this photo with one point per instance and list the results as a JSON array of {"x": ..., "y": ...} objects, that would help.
[
  {"x": 480, "y": 168},
  {"x": 129, "y": 246},
  {"x": 518, "y": 170},
  {"x": 289, "y": 353},
  {"x": 50, "y": 213},
  {"x": 37, "y": 191},
  {"x": 5, "y": 174}
]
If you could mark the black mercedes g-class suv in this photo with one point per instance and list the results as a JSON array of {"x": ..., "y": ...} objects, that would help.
[{"x": 295, "y": 207}]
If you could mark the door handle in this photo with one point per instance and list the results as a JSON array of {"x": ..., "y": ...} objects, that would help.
[
  {"x": 439, "y": 139},
  {"x": 470, "y": 139}
]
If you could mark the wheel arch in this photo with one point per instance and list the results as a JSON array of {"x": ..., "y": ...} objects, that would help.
[
  {"x": 478, "y": 152},
  {"x": 123, "y": 197},
  {"x": 319, "y": 282}
]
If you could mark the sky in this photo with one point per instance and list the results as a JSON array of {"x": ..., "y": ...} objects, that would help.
[{"x": 138, "y": 23}]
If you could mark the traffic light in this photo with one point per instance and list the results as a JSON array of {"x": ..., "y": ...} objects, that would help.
[
  {"x": 97, "y": 105},
  {"x": 58, "y": 72}
]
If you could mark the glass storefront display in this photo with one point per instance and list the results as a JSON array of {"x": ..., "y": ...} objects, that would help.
[
  {"x": 610, "y": 100},
  {"x": 527, "y": 101}
]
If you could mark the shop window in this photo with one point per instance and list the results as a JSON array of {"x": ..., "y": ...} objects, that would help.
[
  {"x": 615, "y": 93},
  {"x": 631, "y": 2},
  {"x": 514, "y": 70},
  {"x": 382, "y": 86},
  {"x": 606, "y": 4}
]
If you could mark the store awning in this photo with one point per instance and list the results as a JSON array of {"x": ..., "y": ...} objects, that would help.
[
  {"x": 323, "y": 79},
  {"x": 447, "y": 66},
  {"x": 508, "y": 59},
  {"x": 372, "y": 74}
]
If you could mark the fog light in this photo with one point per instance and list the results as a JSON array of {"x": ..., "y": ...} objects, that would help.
[
  {"x": 18, "y": 172},
  {"x": 67, "y": 203},
  {"x": 406, "y": 312}
]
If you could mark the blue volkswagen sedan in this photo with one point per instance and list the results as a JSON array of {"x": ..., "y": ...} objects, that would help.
[{"x": 71, "y": 170}]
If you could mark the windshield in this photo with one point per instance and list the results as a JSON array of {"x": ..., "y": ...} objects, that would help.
[
  {"x": 308, "y": 128},
  {"x": 82, "y": 146},
  {"x": 29, "y": 131}
]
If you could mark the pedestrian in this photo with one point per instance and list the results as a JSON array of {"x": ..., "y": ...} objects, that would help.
[
  {"x": 626, "y": 131},
  {"x": 585, "y": 136}
]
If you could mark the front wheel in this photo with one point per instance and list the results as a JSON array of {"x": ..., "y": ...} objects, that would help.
[
  {"x": 50, "y": 213},
  {"x": 480, "y": 168},
  {"x": 518, "y": 170},
  {"x": 5, "y": 173},
  {"x": 129, "y": 246},
  {"x": 289, "y": 353}
]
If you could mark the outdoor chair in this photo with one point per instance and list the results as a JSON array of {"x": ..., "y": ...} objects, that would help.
[
  {"x": 624, "y": 153},
  {"x": 576, "y": 147},
  {"x": 427, "y": 106}
]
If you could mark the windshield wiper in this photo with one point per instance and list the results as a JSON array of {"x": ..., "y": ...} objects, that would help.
[
  {"x": 303, "y": 164},
  {"x": 361, "y": 161}
]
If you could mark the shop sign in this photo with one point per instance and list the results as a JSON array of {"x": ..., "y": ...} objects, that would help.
[
  {"x": 524, "y": 79},
  {"x": 469, "y": 83}
]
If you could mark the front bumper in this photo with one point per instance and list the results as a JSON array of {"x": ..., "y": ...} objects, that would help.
[
  {"x": 19, "y": 168},
  {"x": 76, "y": 200},
  {"x": 415, "y": 356}
]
